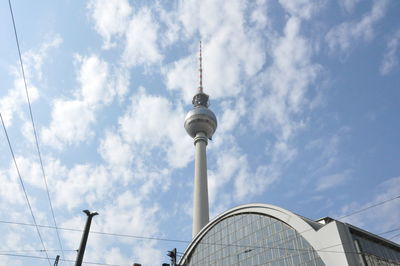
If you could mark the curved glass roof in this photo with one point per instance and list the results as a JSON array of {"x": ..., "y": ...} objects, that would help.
[{"x": 252, "y": 239}]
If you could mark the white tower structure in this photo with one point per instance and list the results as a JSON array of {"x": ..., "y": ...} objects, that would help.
[{"x": 200, "y": 124}]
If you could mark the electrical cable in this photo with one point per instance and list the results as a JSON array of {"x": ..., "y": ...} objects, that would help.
[
  {"x": 234, "y": 245},
  {"x": 177, "y": 240},
  {"x": 33, "y": 125},
  {"x": 66, "y": 260},
  {"x": 97, "y": 232},
  {"x": 390, "y": 231},
  {"x": 185, "y": 241},
  {"x": 180, "y": 254},
  {"x": 164, "y": 239},
  {"x": 352, "y": 213},
  {"x": 393, "y": 237},
  {"x": 44, "y": 176},
  {"x": 369, "y": 207},
  {"x": 23, "y": 187},
  {"x": 36, "y": 250}
]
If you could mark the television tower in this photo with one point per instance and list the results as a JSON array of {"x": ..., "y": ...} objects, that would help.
[{"x": 200, "y": 124}]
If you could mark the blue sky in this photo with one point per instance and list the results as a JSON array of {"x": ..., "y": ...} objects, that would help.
[{"x": 306, "y": 94}]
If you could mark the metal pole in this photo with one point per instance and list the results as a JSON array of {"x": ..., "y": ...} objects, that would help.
[
  {"x": 85, "y": 235},
  {"x": 172, "y": 255},
  {"x": 56, "y": 261}
]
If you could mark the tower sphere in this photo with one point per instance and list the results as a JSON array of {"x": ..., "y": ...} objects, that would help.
[{"x": 200, "y": 118}]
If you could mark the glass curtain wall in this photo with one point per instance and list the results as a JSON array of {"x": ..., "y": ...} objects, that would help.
[
  {"x": 253, "y": 239},
  {"x": 376, "y": 253}
]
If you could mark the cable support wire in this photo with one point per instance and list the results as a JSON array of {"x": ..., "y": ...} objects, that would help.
[
  {"x": 65, "y": 260},
  {"x": 243, "y": 246},
  {"x": 171, "y": 240},
  {"x": 393, "y": 237},
  {"x": 368, "y": 207},
  {"x": 350, "y": 214},
  {"x": 185, "y": 241},
  {"x": 44, "y": 175},
  {"x": 234, "y": 245},
  {"x": 36, "y": 250},
  {"x": 33, "y": 125},
  {"x": 250, "y": 249},
  {"x": 23, "y": 188}
]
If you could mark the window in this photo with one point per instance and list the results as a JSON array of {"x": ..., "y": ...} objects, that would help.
[{"x": 253, "y": 239}]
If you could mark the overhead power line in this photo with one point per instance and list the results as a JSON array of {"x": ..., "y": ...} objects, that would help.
[
  {"x": 395, "y": 236},
  {"x": 241, "y": 246},
  {"x": 35, "y": 250},
  {"x": 44, "y": 258},
  {"x": 178, "y": 240},
  {"x": 369, "y": 207},
  {"x": 33, "y": 125},
  {"x": 23, "y": 188}
]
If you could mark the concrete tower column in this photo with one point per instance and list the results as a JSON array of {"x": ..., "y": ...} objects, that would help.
[
  {"x": 200, "y": 124},
  {"x": 200, "y": 193}
]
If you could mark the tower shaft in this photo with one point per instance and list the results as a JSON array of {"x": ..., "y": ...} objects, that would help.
[
  {"x": 200, "y": 124},
  {"x": 200, "y": 194}
]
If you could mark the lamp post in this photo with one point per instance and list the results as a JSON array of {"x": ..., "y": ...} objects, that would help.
[{"x": 85, "y": 236}]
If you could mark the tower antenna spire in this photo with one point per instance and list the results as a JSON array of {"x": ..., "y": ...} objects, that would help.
[
  {"x": 200, "y": 70},
  {"x": 200, "y": 124}
]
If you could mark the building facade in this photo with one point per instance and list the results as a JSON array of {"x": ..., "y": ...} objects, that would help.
[{"x": 262, "y": 234}]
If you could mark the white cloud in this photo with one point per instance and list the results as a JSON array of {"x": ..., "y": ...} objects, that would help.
[
  {"x": 233, "y": 111},
  {"x": 331, "y": 181},
  {"x": 10, "y": 190},
  {"x": 233, "y": 56},
  {"x": 33, "y": 60},
  {"x": 115, "y": 151},
  {"x": 122, "y": 216},
  {"x": 234, "y": 169},
  {"x": 14, "y": 101},
  {"x": 192, "y": 15},
  {"x": 118, "y": 155},
  {"x": 349, "y": 5},
  {"x": 141, "y": 40},
  {"x": 92, "y": 76},
  {"x": 390, "y": 59},
  {"x": 249, "y": 184},
  {"x": 342, "y": 36},
  {"x": 328, "y": 149},
  {"x": 30, "y": 171},
  {"x": 148, "y": 255},
  {"x": 83, "y": 184},
  {"x": 228, "y": 163},
  {"x": 123, "y": 212},
  {"x": 27, "y": 132},
  {"x": 281, "y": 93},
  {"x": 115, "y": 256},
  {"x": 153, "y": 122},
  {"x": 304, "y": 9},
  {"x": 182, "y": 76},
  {"x": 120, "y": 82},
  {"x": 172, "y": 26},
  {"x": 381, "y": 218},
  {"x": 259, "y": 15},
  {"x": 126, "y": 214},
  {"x": 232, "y": 52},
  {"x": 110, "y": 18},
  {"x": 72, "y": 119}
]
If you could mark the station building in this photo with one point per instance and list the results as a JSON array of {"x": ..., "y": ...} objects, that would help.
[{"x": 262, "y": 234}]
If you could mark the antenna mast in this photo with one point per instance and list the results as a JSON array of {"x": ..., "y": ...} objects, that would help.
[{"x": 200, "y": 71}]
